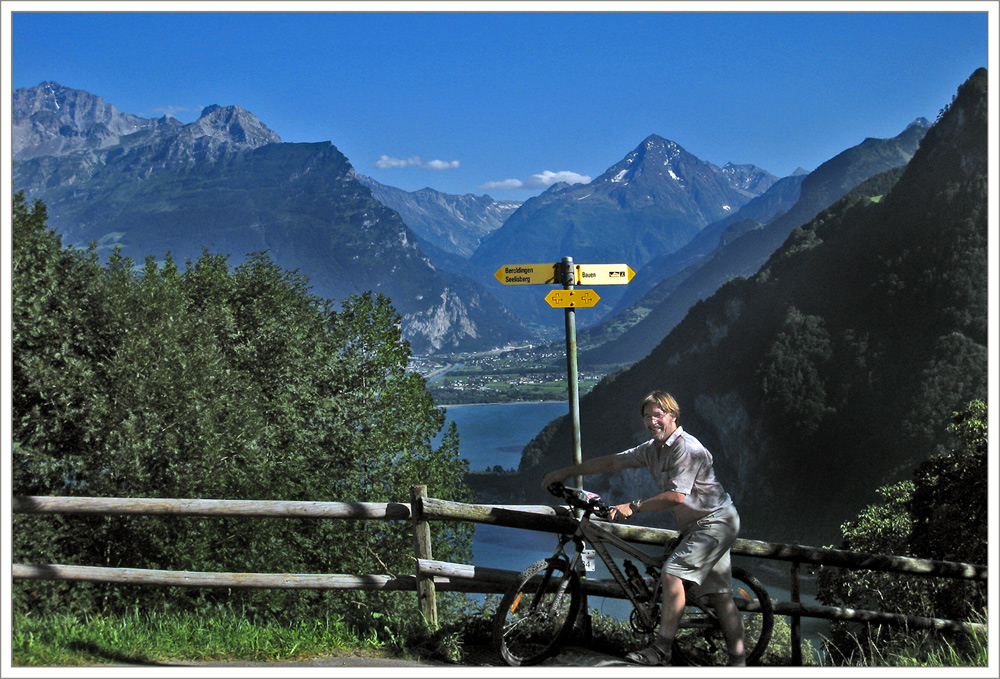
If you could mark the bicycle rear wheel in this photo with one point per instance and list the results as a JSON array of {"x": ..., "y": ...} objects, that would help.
[
  {"x": 537, "y": 613},
  {"x": 700, "y": 640}
]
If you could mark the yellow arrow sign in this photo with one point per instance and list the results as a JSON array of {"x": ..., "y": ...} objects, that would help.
[
  {"x": 528, "y": 274},
  {"x": 603, "y": 274},
  {"x": 572, "y": 298}
]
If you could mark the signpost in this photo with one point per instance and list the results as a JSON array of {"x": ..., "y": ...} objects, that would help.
[
  {"x": 603, "y": 274},
  {"x": 569, "y": 275},
  {"x": 552, "y": 274}
]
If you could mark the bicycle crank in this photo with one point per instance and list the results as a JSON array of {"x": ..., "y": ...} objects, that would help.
[{"x": 641, "y": 626}]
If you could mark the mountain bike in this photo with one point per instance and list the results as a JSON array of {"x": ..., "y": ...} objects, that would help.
[{"x": 538, "y": 613}]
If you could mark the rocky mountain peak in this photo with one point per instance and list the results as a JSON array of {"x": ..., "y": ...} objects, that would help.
[
  {"x": 50, "y": 119},
  {"x": 655, "y": 156},
  {"x": 748, "y": 178},
  {"x": 233, "y": 124},
  {"x": 655, "y": 148}
]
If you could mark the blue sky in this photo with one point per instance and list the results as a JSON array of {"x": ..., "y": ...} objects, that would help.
[{"x": 505, "y": 101}]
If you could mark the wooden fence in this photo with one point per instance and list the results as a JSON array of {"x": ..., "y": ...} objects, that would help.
[{"x": 431, "y": 575}]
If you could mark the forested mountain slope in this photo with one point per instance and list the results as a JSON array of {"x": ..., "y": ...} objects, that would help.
[{"x": 835, "y": 369}]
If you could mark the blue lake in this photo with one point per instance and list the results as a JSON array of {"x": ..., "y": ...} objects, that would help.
[{"x": 496, "y": 433}]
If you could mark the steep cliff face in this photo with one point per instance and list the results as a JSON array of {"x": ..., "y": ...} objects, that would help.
[{"x": 443, "y": 322}]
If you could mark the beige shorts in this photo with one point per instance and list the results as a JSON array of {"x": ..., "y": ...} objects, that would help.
[{"x": 702, "y": 556}]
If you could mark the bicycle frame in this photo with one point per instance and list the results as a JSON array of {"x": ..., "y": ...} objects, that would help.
[{"x": 598, "y": 537}]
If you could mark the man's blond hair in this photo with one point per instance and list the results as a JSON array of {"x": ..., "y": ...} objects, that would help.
[{"x": 663, "y": 400}]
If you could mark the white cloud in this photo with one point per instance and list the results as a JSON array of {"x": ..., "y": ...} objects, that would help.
[
  {"x": 538, "y": 181},
  {"x": 505, "y": 184},
  {"x": 388, "y": 162},
  {"x": 548, "y": 178},
  {"x": 385, "y": 162},
  {"x": 440, "y": 164}
]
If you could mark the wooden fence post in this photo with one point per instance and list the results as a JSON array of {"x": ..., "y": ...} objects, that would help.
[
  {"x": 422, "y": 549},
  {"x": 796, "y": 640}
]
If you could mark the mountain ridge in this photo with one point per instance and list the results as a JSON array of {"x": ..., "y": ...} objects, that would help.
[
  {"x": 455, "y": 224},
  {"x": 227, "y": 183},
  {"x": 743, "y": 256}
]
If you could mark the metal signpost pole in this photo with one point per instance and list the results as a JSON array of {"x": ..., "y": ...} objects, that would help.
[{"x": 568, "y": 275}]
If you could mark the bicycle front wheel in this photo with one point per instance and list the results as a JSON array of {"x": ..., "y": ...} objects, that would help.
[
  {"x": 537, "y": 613},
  {"x": 700, "y": 640}
]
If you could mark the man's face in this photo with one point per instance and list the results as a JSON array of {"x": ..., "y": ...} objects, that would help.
[{"x": 659, "y": 423}]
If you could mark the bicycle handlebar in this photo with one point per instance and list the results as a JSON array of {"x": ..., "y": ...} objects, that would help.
[{"x": 579, "y": 498}]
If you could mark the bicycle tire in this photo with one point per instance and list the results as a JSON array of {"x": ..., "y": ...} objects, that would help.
[
  {"x": 700, "y": 640},
  {"x": 529, "y": 629}
]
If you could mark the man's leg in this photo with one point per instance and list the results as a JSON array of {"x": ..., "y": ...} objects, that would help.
[
  {"x": 732, "y": 626},
  {"x": 672, "y": 600},
  {"x": 671, "y": 609}
]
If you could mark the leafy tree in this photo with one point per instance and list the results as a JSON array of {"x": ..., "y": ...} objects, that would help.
[
  {"x": 941, "y": 515},
  {"x": 950, "y": 512},
  {"x": 146, "y": 381}
]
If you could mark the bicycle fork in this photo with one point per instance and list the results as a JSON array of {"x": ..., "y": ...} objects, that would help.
[{"x": 543, "y": 586}]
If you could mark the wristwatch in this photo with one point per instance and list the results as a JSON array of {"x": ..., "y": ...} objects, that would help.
[{"x": 634, "y": 506}]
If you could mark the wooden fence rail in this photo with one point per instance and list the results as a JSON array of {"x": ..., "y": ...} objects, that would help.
[{"x": 434, "y": 575}]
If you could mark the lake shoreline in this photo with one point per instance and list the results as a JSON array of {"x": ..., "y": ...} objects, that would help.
[{"x": 502, "y": 403}]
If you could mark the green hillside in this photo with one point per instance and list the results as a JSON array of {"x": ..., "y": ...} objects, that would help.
[{"x": 831, "y": 371}]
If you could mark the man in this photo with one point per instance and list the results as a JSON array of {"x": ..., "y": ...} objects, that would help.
[{"x": 708, "y": 521}]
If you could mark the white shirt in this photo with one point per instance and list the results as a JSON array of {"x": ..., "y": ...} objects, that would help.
[{"x": 685, "y": 466}]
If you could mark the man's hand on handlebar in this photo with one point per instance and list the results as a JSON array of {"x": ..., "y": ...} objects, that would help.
[
  {"x": 621, "y": 512},
  {"x": 551, "y": 479}
]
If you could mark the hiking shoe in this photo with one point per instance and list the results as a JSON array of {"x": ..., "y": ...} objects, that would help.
[{"x": 657, "y": 653}]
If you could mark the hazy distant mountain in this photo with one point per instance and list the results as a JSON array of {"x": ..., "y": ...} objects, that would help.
[
  {"x": 226, "y": 183},
  {"x": 744, "y": 255},
  {"x": 454, "y": 224},
  {"x": 652, "y": 202},
  {"x": 835, "y": 368},
  {"x": 778, "y": 199}
]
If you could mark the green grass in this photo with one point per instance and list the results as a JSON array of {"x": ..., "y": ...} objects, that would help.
[
  {"x": 68, "y": 640},
  {"x": 150, "y": 638},
  {"x": 919, "y": 649},
  {"x": 935, "y": 652}
]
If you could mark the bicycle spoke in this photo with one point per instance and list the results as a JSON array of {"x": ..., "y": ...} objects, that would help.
[{"x": 527, "y": 632}]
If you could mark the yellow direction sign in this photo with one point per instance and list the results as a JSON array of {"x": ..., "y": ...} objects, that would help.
[
  {"x": 603, "y": 274},
  {"x": 572, "y": 298},
  {"x": 528, "y": 274}
]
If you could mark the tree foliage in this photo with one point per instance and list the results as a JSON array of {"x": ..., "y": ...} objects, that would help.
[
  {"x": 941, "y": 514},
  {"x": 212, "y": 382}
]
